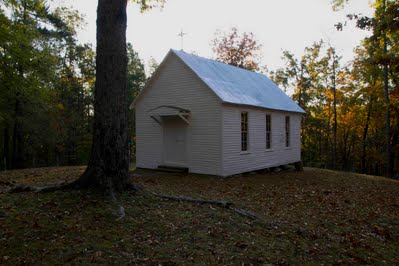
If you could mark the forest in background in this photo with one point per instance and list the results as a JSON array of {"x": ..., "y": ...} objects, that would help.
[
  {"x": 47, "y": 86},
  {"x": 47, "y": 90},
  {"x": 352, "y": 109}
]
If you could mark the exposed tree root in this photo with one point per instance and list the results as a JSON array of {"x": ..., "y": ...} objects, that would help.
[
  {"x": 246, "y": 213},
  {"x": 224, "y": 204},
  {"x": 120, "y": 210},
  {"x": 121, "y": 213}
]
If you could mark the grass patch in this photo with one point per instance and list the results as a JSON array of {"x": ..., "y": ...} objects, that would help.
[{"x": 316, "y": 216}]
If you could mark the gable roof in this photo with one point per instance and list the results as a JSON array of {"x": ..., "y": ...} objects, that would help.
[{"x": 239, "y": 86}]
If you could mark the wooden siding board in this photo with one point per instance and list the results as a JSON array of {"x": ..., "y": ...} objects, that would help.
[
  {"x": 177, "y": 85},
  {"x": 257, "y": 157}
]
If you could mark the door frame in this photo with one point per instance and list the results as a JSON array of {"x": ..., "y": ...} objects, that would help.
[{"x": 164, "y": 146}]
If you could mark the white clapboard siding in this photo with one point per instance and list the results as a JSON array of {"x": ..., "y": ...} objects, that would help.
[
  {"x": 175, "y": 84},
  {"x": 257, "y": 157}
]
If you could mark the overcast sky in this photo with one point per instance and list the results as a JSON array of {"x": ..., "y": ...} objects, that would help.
[{"x": 278, "y": 25}]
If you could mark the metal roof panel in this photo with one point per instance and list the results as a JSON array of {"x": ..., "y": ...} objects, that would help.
[{"x": 239, "y": 86}]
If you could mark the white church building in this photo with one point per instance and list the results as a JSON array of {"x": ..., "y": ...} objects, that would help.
[{"x": 213, "y": 118}]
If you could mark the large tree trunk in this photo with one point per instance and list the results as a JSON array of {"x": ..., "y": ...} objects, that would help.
[{"x": 108, "y": 166}]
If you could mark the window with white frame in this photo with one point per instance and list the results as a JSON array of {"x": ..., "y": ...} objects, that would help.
[
  {"x": 244, "y": 131},
  {"x": 287, "y": 131},
  {"x": 268, "y": 132}
]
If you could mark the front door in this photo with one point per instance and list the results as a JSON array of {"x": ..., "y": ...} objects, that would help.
[{"x": 175, "y": 144}]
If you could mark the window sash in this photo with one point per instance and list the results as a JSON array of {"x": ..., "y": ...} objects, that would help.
[
  {"x": 268, "y": 132},
  {"x": 287, "y": 131},
  {"x": 244, "y": 131}
]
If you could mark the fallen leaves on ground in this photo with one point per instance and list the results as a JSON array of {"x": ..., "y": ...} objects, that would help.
[
  {"x": 41, "y": 176},
  {"x": 316, "y": 216}
]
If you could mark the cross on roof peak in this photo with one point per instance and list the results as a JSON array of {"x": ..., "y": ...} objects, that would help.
[{"x": 181, "y": 35}]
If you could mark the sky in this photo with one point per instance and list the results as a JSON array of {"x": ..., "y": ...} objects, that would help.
[{"x": 277, "y": 25}]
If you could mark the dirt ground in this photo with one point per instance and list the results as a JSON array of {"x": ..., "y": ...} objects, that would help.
[{"x": 311, "y": 217}]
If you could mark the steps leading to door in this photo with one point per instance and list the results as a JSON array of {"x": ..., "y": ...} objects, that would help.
[{"x": 172, "y": 169}]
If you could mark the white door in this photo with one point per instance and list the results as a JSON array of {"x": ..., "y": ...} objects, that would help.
[{"x": 175, "y": 144}]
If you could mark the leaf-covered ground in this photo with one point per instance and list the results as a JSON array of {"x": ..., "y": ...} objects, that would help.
[{"x": 313, "y": 217}]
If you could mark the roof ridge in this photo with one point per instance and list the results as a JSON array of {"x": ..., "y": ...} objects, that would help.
[
  {"x": 237, "y": 85},
  {"x": 218, "y": 62}
]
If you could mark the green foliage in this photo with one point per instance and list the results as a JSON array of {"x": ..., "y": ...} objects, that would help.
[
  {"x": 46, "y": 81},
  {"x": 311, "y": 77},
  {"x": 152, "y": 66},
  {"x": 136, "y": 79},
  {"x": 382, "y": 49},
  {"x": 360, "y": 98},
  {"x": 136, "y": 73},
  {"x": 47, "y": 85},
  {"x": 366, "y": 90}
]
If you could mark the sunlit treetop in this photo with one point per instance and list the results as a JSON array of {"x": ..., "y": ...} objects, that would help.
[
  {"x": 338, "y": 4},
  {"x": 148, "y": 4}
]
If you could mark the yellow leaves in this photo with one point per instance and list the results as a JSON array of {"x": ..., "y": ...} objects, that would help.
[
  {"x": 60, "y": 107},
  {"x": 338, "y": 4},
  {"x": 146, "y": 5}
]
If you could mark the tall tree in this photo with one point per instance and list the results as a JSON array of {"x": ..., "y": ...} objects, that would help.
[
  {"x": 30, "y": 36},
  {"x": 313, "y": 78},
  {"x": 331, "y": 70},
  {"x": 136, "y": 79},
  {"x": 302, "y": 75},
  {"x": 384, "y": 26},
  {"x": 152, "y": 65},
  {"x": 240, "y": 50},
  {"x": 108, "y": 167},
  {"x": 366, "y": 77}
]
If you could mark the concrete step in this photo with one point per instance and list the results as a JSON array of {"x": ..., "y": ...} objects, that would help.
[{"x": 172, "y": 169}]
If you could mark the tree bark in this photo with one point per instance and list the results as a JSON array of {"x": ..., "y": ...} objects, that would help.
[
  {"x": 6, "y": 149},
  {"x": 389, "y": 157},
  {"x": 334, "y": 155},
  {"x": 108, "y": 166},
  {"x": 395, "y": 143},
  {"x": 16, "y": 135},
  {"x": 364, "y": 142}
]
